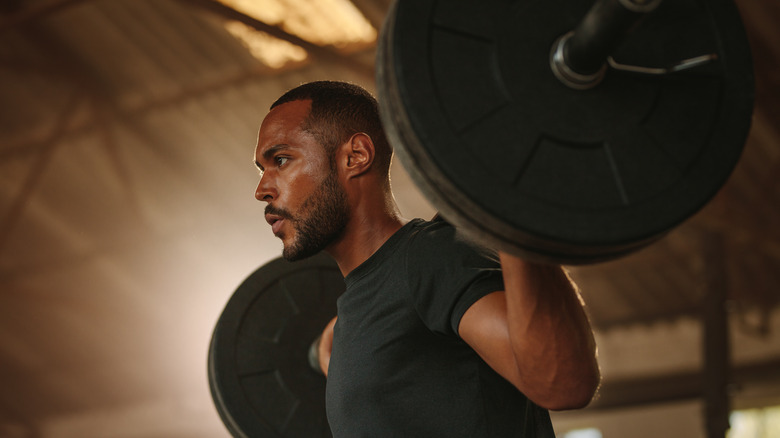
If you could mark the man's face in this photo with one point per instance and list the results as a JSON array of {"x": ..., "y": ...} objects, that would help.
[{"x": 307, "y": 208}]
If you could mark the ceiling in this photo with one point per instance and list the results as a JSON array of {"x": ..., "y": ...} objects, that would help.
[{"x": 127, "y": 215}]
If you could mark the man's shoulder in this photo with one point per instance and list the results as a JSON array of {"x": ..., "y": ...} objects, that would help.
[
  {"x": 428, "y": 232},
  {"x": 437, "y": 225},
  {"x": 439, "y": 238}
]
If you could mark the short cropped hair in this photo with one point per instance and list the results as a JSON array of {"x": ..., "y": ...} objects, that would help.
[{"x": 339, "y": 110}]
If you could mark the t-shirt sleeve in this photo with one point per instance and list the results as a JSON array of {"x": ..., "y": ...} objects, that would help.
[{"x": 447, "y": 274}]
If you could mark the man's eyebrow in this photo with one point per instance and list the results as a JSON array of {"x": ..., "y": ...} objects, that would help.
[{"x": 268, "y": 153}]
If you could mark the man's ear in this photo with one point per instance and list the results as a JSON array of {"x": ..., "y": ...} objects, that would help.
[{"x": 359, "y": 154}]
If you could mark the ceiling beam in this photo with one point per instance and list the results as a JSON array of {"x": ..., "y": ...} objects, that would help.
[
  {"x": 36, "y": 171},
  {"x": 103, "y": 115},
  {"x": 85, "y": 126},
  {"x": 77, "y": 73},
  {"x": 677, "y": 387}
]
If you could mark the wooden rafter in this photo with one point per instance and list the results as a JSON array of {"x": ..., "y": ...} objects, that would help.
[{"x": 37, "y": 170}]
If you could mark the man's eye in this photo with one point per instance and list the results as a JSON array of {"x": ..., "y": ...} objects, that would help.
[{"x": 280, "y": 161}]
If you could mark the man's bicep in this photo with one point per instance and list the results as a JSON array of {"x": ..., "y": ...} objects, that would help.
[{"x": 484, "y": 327}]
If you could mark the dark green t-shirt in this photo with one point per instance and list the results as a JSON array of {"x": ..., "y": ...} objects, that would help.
[{"x": 398, "y": 367}]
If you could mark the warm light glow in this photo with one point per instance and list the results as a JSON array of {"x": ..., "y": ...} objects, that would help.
[
  {"x": 755, "y": 423},
  {"x": 271, "y": 51},
  {"x": 324, "y": 22},
  {"x": 583, "y": 433}
]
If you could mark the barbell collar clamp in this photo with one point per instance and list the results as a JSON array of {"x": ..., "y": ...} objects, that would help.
[
  {"x": 561, "y": 69},
  {"x": 579, "y": 58}
]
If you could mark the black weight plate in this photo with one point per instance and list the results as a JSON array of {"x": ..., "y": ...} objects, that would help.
[
  {"x": 258, "y": 368},
  {"x": 520, "y": 161}
]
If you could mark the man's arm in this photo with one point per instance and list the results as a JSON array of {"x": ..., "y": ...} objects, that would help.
[
  {"x": 325, "y": 346},
  {"x": 536, "y": 335}
]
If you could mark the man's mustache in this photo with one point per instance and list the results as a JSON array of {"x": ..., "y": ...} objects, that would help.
[{"x": 282, "y": 213}]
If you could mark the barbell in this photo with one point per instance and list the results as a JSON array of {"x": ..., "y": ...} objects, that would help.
[
  {"x": 558, "y": 130},
  {"x": 562, "y": 138}
]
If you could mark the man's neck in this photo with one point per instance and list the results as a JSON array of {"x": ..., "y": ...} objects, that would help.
[{"x": 365, "y": 233}]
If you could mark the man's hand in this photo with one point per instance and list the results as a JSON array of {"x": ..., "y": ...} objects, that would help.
[{"x": 326, "y": 346}]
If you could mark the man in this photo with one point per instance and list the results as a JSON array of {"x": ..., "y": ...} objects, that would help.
[{"x": 435, "y": 336}]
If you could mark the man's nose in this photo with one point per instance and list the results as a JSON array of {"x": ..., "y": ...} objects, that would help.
[{"x": 265, "y": 190}]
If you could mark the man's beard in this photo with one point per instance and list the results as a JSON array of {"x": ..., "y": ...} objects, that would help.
[{"x": 321, "y": 220}]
